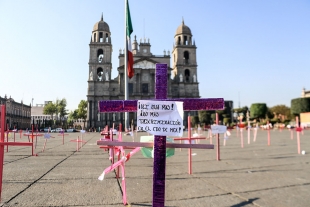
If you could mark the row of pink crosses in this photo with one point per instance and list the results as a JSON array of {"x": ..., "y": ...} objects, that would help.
[
  {"x": 4, "y": 140},
  {"x": 33, "y": 135},
  {"x": 267, "y": 127}
]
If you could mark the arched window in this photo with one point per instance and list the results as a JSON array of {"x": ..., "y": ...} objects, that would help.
[
  {"x": 95, "y": 37},
  {"x": 179, "y": 40},
  {"x": 187, "y": 75},
  {"x": 106, "y": 37},
  {"x": 100, "y": 37},
  {"x": 99, "y": 74},
  {"x": 185, "y": 40},
  {"x": 186, "y": 57},
  {"x": 100, "y": 55}
]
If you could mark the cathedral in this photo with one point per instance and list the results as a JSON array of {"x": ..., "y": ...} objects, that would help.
[{"x": 182, "y": 73}]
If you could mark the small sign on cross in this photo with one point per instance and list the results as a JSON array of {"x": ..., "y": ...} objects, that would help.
[{"x": 160, "y": 117}]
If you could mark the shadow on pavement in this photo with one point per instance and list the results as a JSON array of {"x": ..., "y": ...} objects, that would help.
[{"x": 244, "y": 203}]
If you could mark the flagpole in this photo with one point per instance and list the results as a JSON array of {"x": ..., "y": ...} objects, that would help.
[{"x": 125, "y": 68}]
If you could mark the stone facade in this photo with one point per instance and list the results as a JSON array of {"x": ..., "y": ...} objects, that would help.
[
  {"x": 18, "y": 115},
  {"x": 305, "y": 93},
  {"x": 182, "y": 75}
]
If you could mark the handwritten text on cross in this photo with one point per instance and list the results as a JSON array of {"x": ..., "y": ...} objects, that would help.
[{"x": 163, "y": 118}]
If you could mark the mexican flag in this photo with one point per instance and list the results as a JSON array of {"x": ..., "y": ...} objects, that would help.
[{"x": 129, "y": 30}]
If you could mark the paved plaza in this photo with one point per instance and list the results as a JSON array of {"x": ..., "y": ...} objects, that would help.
[{"x": 256, "y": 175}]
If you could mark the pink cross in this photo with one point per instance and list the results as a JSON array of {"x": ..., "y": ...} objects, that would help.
[
  {"x": 62, "y": 133},
  {"x": 3, "y": 143},
  {"x": 193, "y": 104},
  {"x": 79, "y": 142},
  {"x": 46, "y": 136},
  {"x": 33, "y": 136},
  {"x": 189, "y": 139}
]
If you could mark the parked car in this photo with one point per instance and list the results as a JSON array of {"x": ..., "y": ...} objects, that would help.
[
  {"x": 71, "y": 130},
  {"x": 46, "y": 129},
  {"x": 57, "y": 130}
]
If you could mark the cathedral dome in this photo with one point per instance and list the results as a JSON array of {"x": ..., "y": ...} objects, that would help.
[
  {"x": 101, "y": 26},
  {"x": 183, "y": 29}
]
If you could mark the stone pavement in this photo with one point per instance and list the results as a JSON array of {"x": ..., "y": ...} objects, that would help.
[{"x": 257, "y": 175}]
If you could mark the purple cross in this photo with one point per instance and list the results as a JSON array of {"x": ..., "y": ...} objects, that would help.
[{"x": 192, "y": 104}]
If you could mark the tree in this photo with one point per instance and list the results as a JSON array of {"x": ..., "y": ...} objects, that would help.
[
  {"x": 61, "y": 108},
  {"x": 281, "y": 112},
  {"x": 194, "y": 121},
  {"x": 50, "y": 109},
  {"x": 226, "y": 120},
  {"x": 242, "y": 110},
  {"x": 220, "y": 114},
  {"x": 269, "y": 114},
  {"x": 82, "y": 111},
  {"x": 204, "y": 117},
  {"x": 300, "y": 105},
  {"x": 73, "y": 115},
  {"x": 258, "y": 110},
  {"x": 213, "y": 117}
]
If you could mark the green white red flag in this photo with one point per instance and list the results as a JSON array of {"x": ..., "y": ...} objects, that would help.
[{"x": 129, "y": 30}]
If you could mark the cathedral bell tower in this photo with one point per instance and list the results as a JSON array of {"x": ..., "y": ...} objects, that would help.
[
  {"x": 99, "y": 71},
  {"x": 184, "y": 67},
  {"x": 184, "y": 63}
]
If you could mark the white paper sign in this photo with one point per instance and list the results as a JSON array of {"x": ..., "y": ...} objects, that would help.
[
  {"x": 187, "y": 141},
  {"x": 163, "y": 118},
  {"x": 218, "y": 129}
]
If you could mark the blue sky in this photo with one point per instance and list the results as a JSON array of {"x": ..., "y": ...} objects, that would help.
[{"x": 255, "y": 51}]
